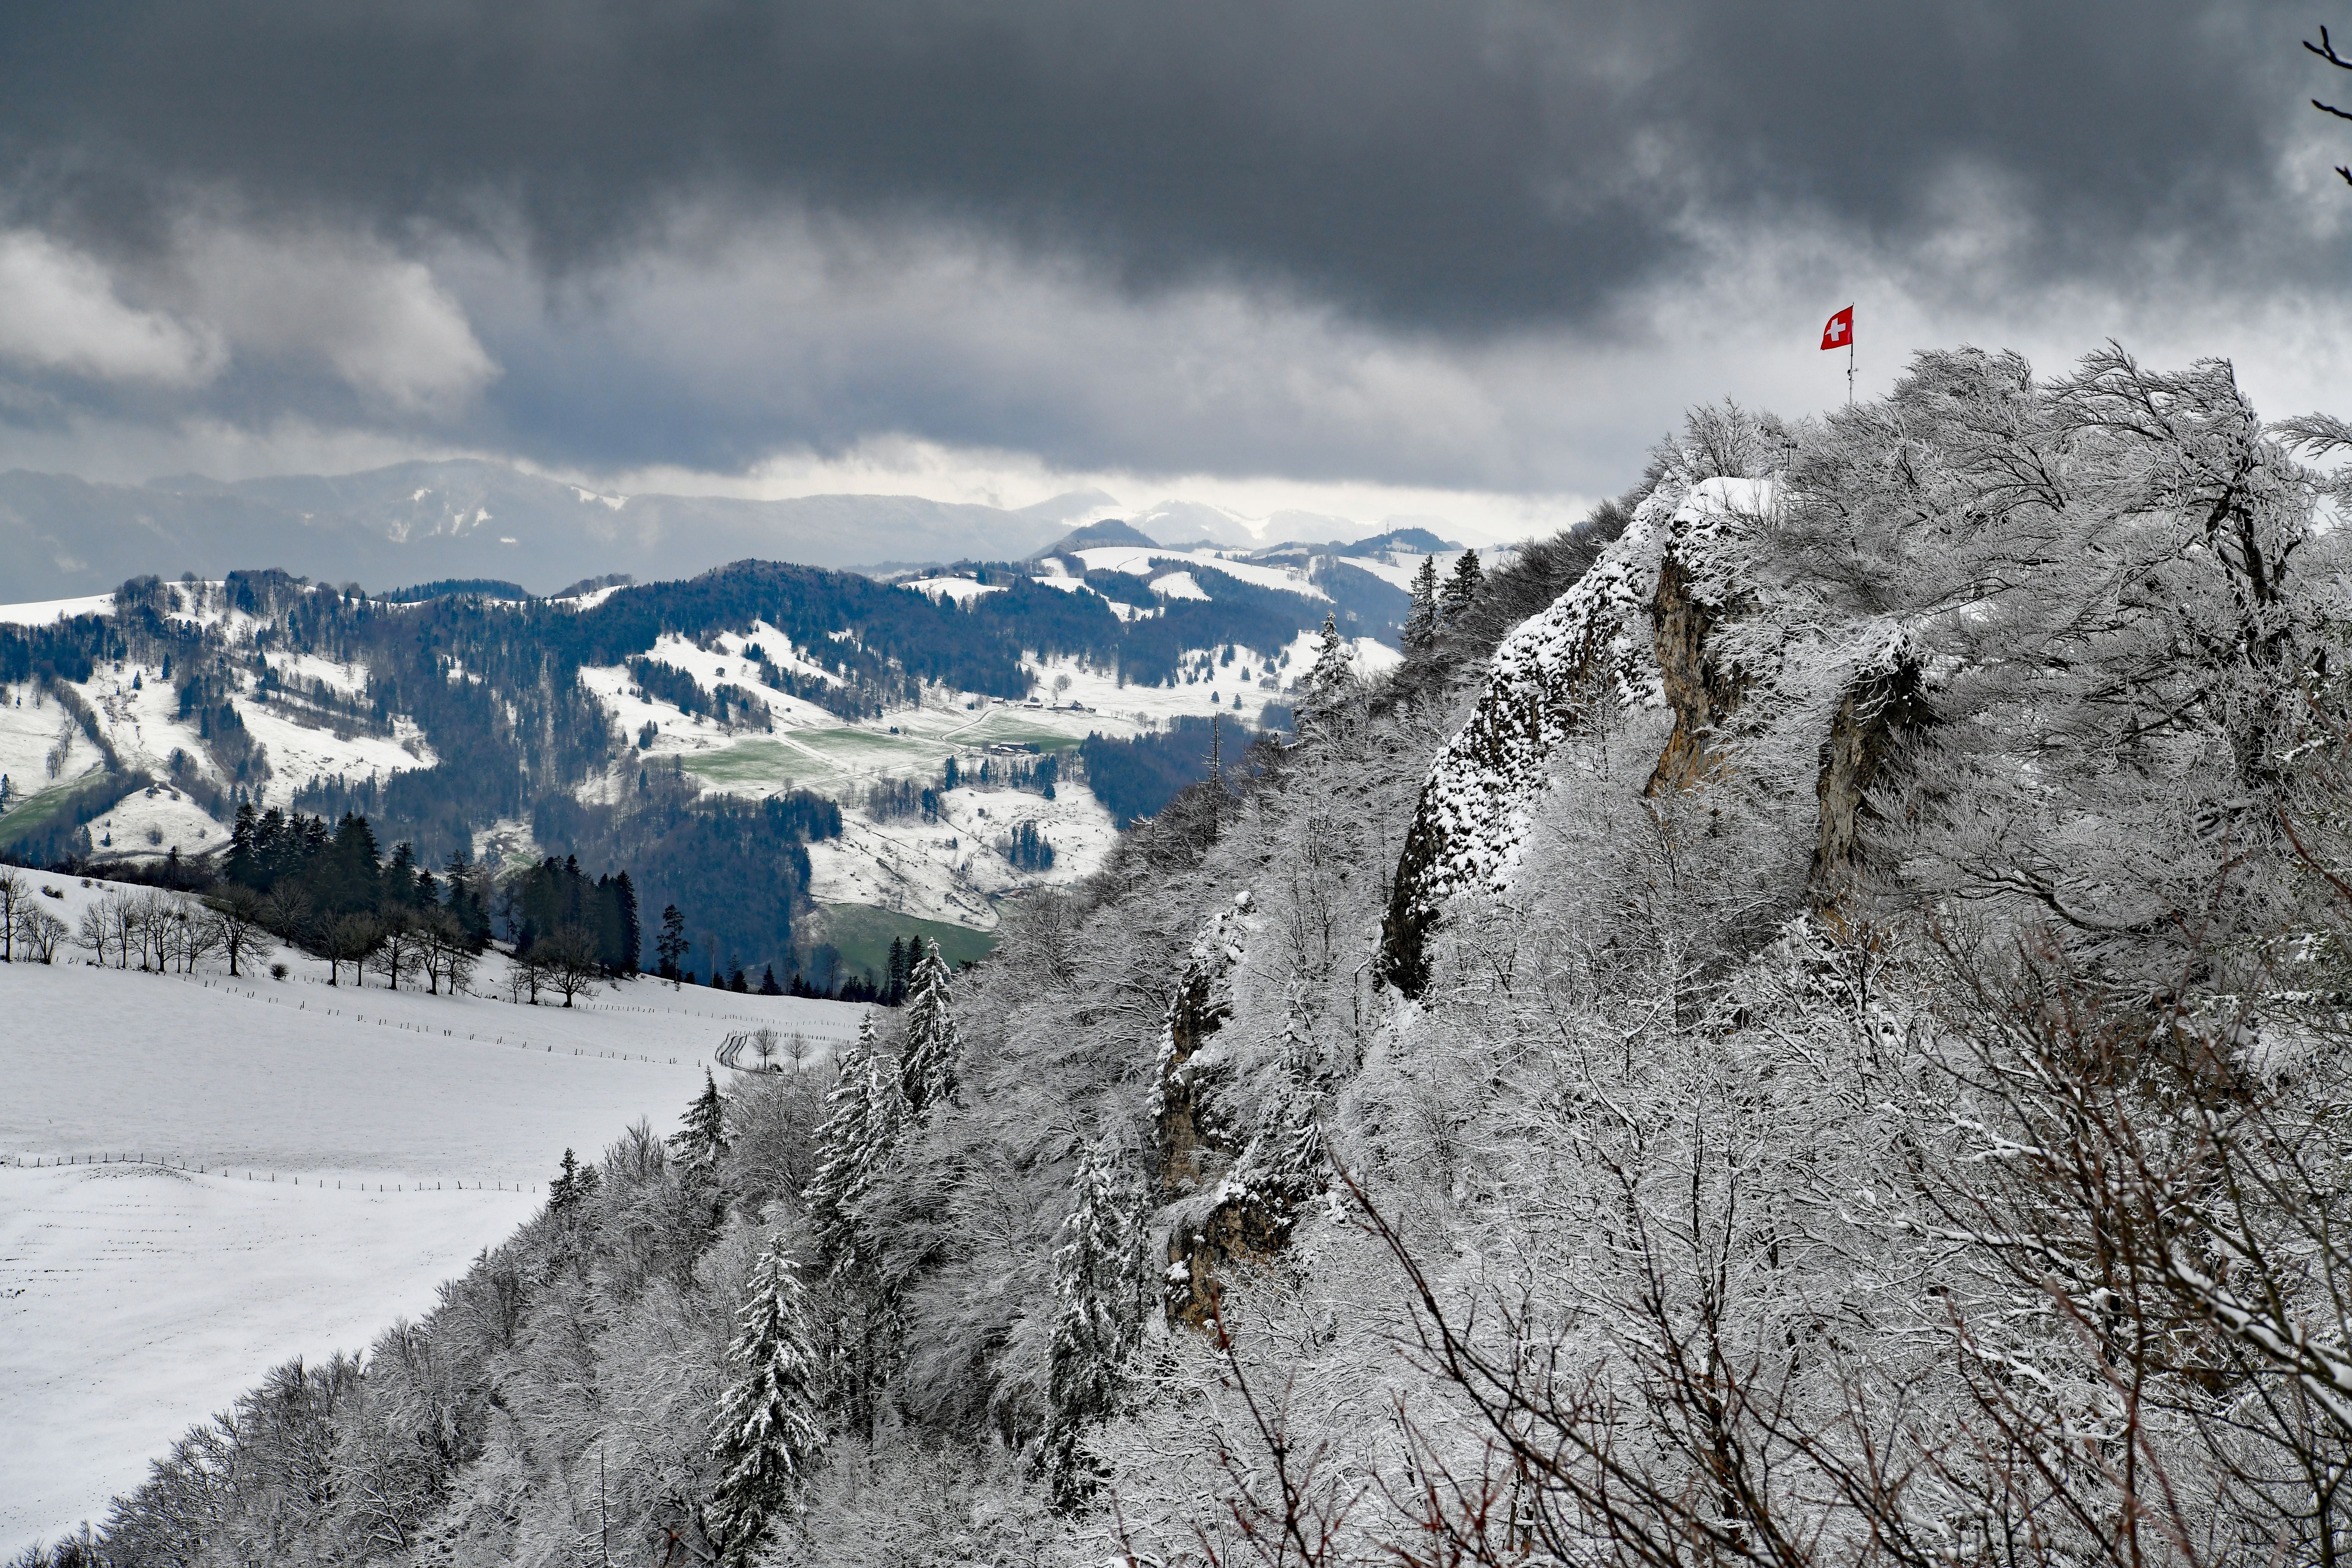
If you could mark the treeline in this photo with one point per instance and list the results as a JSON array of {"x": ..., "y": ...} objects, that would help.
[
  {"x": 60, "y": 650},
  {"x": 727, "y": 703},
  {"x": 331, "y": 890},
  {"x": 738, "y": 868},
  {"x": 895, "y": 798},
  {"x": 555, "y": 902},
  {"x": 1136, "y": 778},
  {"x": 449, "y": 587}
]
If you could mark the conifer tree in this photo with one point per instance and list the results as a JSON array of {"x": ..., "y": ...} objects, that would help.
[
  {"x": 856, "y": 1143},
  {"x": 1462, "y": 586},
  {"x": 574, "y": 1183},
  {"x": 1333, "y": 675},
  {"x": 1420, "y": 635},
  {"x": 671, "y": 946},
  {"x": 1101, "y": 1276},
  {"x": 927, "y": 1072},
  {"x": 703, "y": 1140},
  {"x": 769, "y": 1435},
  {"x": 857, "y": 1138}
]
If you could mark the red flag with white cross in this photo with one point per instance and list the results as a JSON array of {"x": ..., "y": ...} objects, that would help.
[{"x": 1839, "y": 332}]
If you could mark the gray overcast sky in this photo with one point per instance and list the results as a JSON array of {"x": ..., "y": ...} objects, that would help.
[{"x": 1373, "y": 252}]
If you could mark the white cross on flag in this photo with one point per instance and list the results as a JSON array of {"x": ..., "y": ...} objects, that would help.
[{"x": 1839, "y": 333}]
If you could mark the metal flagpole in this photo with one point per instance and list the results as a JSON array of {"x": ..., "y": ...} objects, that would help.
[{"x": 1848, "y": 363}]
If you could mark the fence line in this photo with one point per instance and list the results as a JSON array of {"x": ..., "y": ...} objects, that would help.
[{"x": 258, "y": 1178}]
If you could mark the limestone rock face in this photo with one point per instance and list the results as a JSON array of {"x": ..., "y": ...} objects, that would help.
[
  {"x": 1606, "y": 641},
  {"x": 1233, "y": 1178},
  {"x": 1700, "y": 679},
  {"x": 1885, "y": 704}
]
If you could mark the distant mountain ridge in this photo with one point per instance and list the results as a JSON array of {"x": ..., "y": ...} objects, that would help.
[
  {"x": 421, "y": 522},
  {"x": 1110, "y": 531},
  {"x": 474, "y": 519}
]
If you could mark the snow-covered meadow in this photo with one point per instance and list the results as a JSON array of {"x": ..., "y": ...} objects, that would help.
[{"x": 259, "y": 1168}]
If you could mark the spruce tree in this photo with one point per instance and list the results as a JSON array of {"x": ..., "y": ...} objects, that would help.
[
  {"x": 927, "y": 1072},
  {"x": 1462, "y": 587},
  {"x": 1420, "y": 635},
  {"x": 1101, "y": 1275},
  {"x": 856, "y": 1144},
  {"x": 575, "y": 1183},
  {"x": 769, "y": 1435},
  {"x": 1333, "y": 675},
  {"x": 857, "y": 1139},
  {"x": 703, "y": 1140},
  {"x": 671, "y": 946}
]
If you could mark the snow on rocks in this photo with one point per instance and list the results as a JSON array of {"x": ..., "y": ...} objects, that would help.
[{"x": 1594, "y": 645}]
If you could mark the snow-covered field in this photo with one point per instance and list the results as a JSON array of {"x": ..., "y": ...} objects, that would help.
[
  {"x": 136, "y": 1298},
  {"x": 951, "y": 869}
]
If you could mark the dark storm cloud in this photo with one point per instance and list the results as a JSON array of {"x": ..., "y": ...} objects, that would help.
[{"x": 1447, "y": 164}]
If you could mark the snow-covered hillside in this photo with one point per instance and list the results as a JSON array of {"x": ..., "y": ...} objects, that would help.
[
  {"x": 135, "y": 1299},
  {"x": 51, "y": 745}
]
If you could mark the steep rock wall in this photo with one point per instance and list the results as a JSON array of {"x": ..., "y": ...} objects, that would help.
[
  {"x": 1884, "y": 705},
  {"x": 1601, "y": 644},
  {"x": 1237, "y": 1165}
]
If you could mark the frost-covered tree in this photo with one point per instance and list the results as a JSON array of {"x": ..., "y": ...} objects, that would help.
[
  {"x": 927, "y": 1065},
  {"x": 1101, "y": 1277},
  {"x": 1333, "y": 674},
  {"x": 1461, "y": 587},
  {"x": 856, "y": 1139},
  {"x": 768, "y": 1433},
  {"x": 858, "y": 1145},
  {"x": 1419, "y": 634},
  {"x": 702, "y": 1141}
]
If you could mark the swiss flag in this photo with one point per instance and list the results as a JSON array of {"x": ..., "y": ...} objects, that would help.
[{"x": 1839, "y": 333}]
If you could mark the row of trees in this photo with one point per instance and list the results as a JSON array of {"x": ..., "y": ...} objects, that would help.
[{"x": 28, "y": 933}]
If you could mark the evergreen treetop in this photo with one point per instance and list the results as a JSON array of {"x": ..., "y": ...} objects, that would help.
[
  {"x": 574, "y": 1183},
  {"x": 1420, "y": 633},
  {"x": 769, "y": 1435},
  {"x": 1334, "y": 673},
  {"x": 927, "y": 1072},
  {"x": 1462, "y": 586},
  {"x": 703, "y": 1140}
]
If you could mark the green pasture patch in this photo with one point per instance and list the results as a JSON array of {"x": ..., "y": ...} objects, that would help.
[
  {"x": 862, "y": 934},
  {"x": 864, "y": 751},
  {"x": 39, "y": 810},
  {"x": 756, "y": 763}
]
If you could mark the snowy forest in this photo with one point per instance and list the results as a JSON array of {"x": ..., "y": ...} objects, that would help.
[{"x": 1805, "y": 1025}]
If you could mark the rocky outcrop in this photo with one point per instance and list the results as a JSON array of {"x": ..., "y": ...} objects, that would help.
[
  {"x": 1884, "y": 705},
  {"x": 1234, "y": 1177},
  {"x": 1197, "y": 1009},
  {"x": 1602, "y": 644},
  {"x": 1246, "y": 1220},
  {"x": 1699, "y": 679}
]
